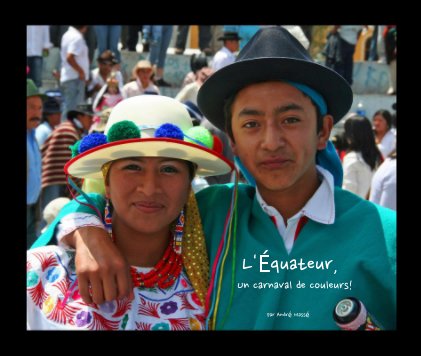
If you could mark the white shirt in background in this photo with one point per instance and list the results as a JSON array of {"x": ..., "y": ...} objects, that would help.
[
  {"x": 383, "y": 185},
  {"x": 387, "y": 144},
  {"x": 357, "y": 174},
  {"x": 222, "y": 58},
  {"x": 349, "y": 33},
  {"x": 37, "y": 38},
  {"x": 73, "y": 42}
]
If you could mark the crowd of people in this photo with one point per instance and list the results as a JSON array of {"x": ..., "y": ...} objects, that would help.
[{"x": 137, "y": 249}]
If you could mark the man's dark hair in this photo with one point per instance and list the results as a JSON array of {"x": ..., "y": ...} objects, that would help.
[{"x": 228, "y": 115}]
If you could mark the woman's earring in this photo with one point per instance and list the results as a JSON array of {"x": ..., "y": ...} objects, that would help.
[
  {"x": 178, "y": 233},
  {"x": 108, "y": 221}
]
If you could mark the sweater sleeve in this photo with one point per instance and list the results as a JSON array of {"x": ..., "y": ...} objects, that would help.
[{"x": 73, "y": 206}]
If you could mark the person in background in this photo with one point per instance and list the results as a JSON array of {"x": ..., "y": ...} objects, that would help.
[
  {"x": 51, "y": 211},
  {"x": 382, "y": 126},
  {"x": 226, "y": 55},
  {"x": 189, "y": 92},
  {"x": 74, "y": 67},
  {"x": 390, "y": 38},
  {"x": 51, "y": 117},
  {"x": 37, "y": 46},
  {"x": 107, "y": 37},
  {"x": 34, "y": 102},
  {"x": 205, "y": 37},
  {"x": 55, "y": 152},
  {"x": 362, "y": 157},
  {"x": 246, "y": 32},
  {"x": 109, "y": 95},
  {"x": 99, "y": 75},
  {"x": 383, "y": 184},
  {"x": 340, "y": 49},
  {"x": 142, "y": 83},
  {"x": 159, "y": 37},
  {"x": 197, "y": 62}
]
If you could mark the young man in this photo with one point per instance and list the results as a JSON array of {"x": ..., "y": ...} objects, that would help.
[{"x": 298, "y": 243}]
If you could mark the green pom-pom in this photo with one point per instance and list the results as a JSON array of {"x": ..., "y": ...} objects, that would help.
[
  {"x": 75, "y": 148},
  {"x": 123, "y": 130},
  {"x": 200, "y": 136}
]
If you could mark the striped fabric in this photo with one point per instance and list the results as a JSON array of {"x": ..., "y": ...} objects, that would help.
[{"x": 55, "y": 153}]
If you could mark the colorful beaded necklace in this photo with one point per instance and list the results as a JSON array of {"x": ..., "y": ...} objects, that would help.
[
  {"x": 163, "y": 274},
  {"x": 168, "y": 269}
]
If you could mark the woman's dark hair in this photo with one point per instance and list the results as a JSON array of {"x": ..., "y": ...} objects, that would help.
[
  {"x": 360, "y": 138},
  {"x": 228, "y": 115},
  {"x": 387, "y": 116},
  {"x": 192, "y": 169},
  {"x": 197, "y": 62}
]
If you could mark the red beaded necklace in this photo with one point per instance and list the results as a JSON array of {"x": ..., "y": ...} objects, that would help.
[
  {"x": 168, "y": 268},
  {"x": 163, "y": 274}
]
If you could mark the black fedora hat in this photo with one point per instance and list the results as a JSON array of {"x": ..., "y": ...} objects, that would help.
[
  {"x": 230, "y": 35},
  {"x": 273, "y": 54},
  {"x": 51, "y": 106},
  {"x": 81, "y": 109}
]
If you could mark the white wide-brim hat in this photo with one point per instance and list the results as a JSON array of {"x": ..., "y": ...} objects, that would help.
[{"x": 148, "y": 112}]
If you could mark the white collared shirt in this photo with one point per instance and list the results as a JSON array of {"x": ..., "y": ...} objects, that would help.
[
  {"x": 323, "y": 197},
  {"x": 222, "y": 58}
]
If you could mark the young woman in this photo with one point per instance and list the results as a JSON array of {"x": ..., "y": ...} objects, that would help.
[
  {"x": 151, "y": 214},
  {"x": 385, "y": 138},
  {"x": 362, "y": 157}
]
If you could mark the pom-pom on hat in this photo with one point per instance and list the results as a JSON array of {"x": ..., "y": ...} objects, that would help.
[{"x": 147, "y": 126}]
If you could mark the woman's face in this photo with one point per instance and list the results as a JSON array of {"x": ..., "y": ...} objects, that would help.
[
  {"x": 148, "y": 193},
  {"x": 380, "y": 124}
]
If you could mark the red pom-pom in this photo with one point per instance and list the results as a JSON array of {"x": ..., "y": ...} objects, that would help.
[{"x": 218, "y": 146}]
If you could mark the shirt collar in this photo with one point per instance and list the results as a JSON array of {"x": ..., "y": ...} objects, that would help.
[{"x": 323, "y": 197}]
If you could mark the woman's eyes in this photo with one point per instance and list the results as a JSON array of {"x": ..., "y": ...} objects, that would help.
[
  {"x": 133, "y": 167},
  {"x": 169, "y": 169},
  {"x": 163, "y": 169}
]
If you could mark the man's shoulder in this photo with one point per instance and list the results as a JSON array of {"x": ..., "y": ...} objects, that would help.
[
  {"x": 222, "y": 193},
  {"x": 349, "y": 203}
]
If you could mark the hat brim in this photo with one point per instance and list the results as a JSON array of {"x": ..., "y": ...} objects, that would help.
[
  {"x": 230, "y": 38},
  {"x": 42, "y": 96},
  {"x": 73, "y": 113},
  {"x": 230, "y": 79},
  {"x": 88, "y": 164}
]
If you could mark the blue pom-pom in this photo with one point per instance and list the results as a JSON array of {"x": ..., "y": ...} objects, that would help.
[
  {"x": 92, "y": 140},
  {"x": 169, "y": 131}
]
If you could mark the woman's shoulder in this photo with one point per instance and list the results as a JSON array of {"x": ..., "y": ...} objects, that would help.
[{"x": 47, "y": 263}]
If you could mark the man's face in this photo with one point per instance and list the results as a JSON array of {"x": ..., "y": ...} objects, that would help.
[
  {"x": 275, "y": 131},
  {"x": 33, "y": 112}
]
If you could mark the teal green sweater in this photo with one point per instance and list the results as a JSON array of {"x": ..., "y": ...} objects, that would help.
[{"x": 355, "y": 256}]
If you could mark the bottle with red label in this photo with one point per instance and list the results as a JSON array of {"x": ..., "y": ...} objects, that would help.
[{"x": 351, "y": 314}]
